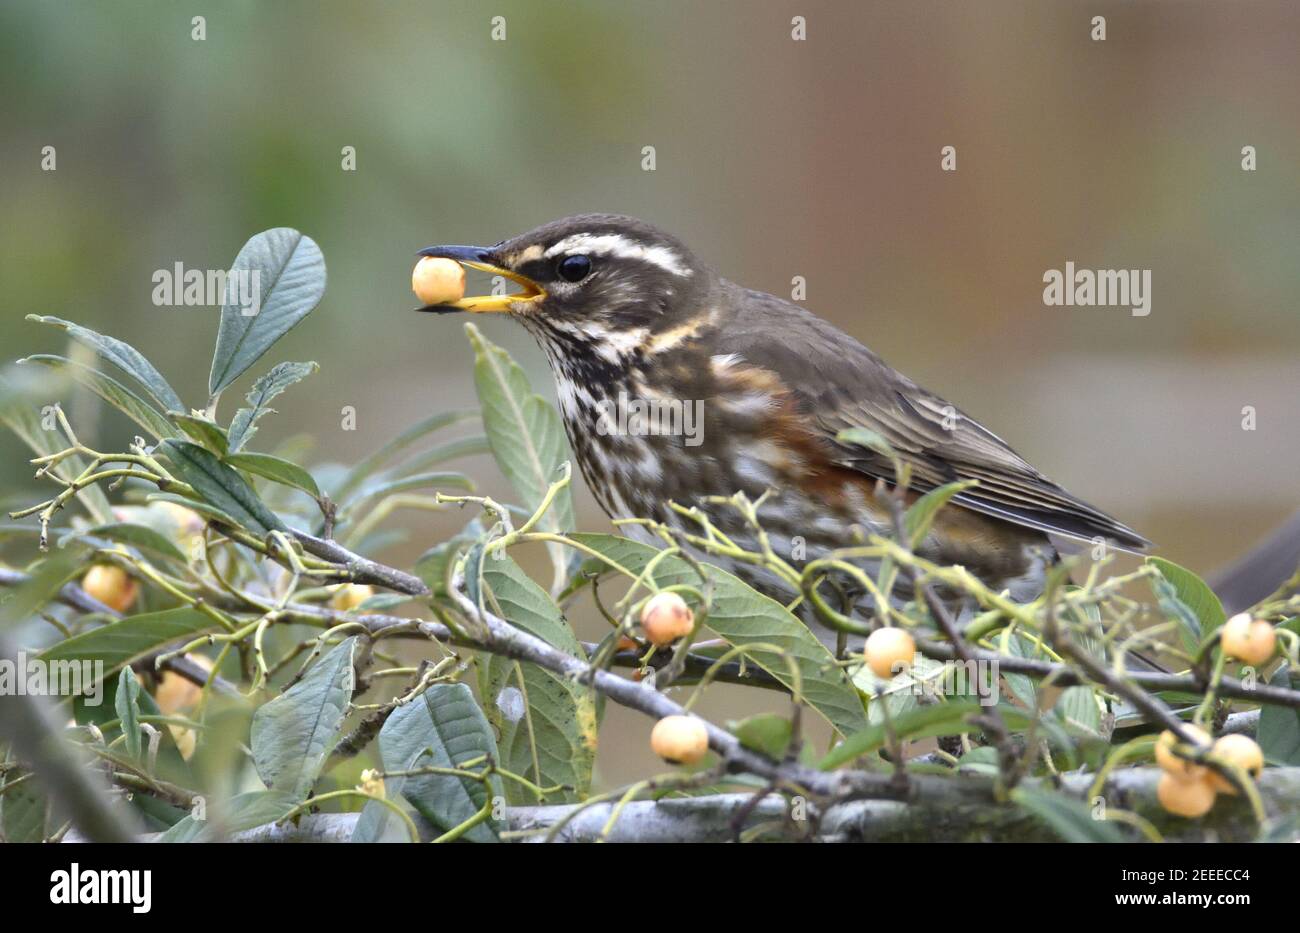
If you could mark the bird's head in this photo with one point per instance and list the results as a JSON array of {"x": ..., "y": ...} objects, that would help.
[{"x": 600, "y": 280}]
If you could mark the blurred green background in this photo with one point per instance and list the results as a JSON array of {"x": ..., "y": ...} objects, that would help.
[{"x": 775, "y": 158}]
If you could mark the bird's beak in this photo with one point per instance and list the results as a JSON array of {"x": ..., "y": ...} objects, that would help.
[{"x": 482, "y": 258}]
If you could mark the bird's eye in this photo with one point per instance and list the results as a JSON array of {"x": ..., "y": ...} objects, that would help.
[{"x": 574, "y": 268}]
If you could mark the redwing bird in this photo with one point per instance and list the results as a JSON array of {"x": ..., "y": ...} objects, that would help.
[{"x": 628, "y": 316}]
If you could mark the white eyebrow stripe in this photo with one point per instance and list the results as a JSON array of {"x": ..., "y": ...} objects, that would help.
[{"x": 613, "y": 244}]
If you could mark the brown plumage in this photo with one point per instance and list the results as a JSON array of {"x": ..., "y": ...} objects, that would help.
[{"x": 626, "y": 312}]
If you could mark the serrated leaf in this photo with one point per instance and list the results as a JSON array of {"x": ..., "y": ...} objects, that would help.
[
  {"x": 291, "y": 273},
  {"x": 112, "y": 392},
  {"x": 293, "y": 733},
  {"x": 917, "y": 723},
  {"x": 276, "y": 470},
  {"x": 525, "y": 434},
  {"x": 141, "y": 537},
  {"x": 548, "y": 726},
  {"x": 442, "y": 728},
  {"x": 127, "y": 704},
  {"x": 128, "y": 640},
  {"x": 220, "y": 486},
  {"x": 1071, "y": 819},
  {"x": 743, "y": 616},
  {"x": 208, "y": 433},
  {"x": 122, "y": 355},
  {"x": 268, "y": 385}
]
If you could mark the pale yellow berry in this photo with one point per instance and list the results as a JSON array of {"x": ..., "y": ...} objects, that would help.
[
  {"x": 438, "y": 281},
  {"x": 682, "y": 740},
  {"x": 350, "y": 595},
  {"x": 1239, "y": 750},
  {"x": 889, "y": 651},
  {"x": 1180, "y": 767},
  {"x": 177, "y": 696},
  {"x": 666, "y": 618},
  {"x": 110, "y": 584},
  {"x": 1251, "y": 641},
  {"x": 1191, "y": 798},
  {"x": 187, "y": 521}
]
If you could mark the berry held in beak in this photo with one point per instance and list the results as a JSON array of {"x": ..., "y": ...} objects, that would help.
[{"x": 439, "y": 281}]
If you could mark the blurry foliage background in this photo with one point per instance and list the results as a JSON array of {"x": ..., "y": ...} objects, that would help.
[{"x": 775, "y": 158}]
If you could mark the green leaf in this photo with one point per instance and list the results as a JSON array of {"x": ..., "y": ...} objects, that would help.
[
  {"x": 122, "y": 355},
  {"x": 221, "y": 486},
  {"x": 435, "y": 565},
  {"x": 208, "y": 433},
  {"x": 394, "y": 447},
  {"x": 981, "y": 760},
  {"x": 917, "y": 723},
  {"x": 124, "y": 642},
  {"x": 291, "y": 281},
  {"x": 525, "y": 434},
  {"x": 865, "y": 437},
  {"x": 43, "y": 585},
  {"x": 243, "y": 811},
  {"x": 1279, "y": 726},
  {"x": 127, "y": 704},
  {"x": 547, "y": 723},
  {"x": 471, "y": 446},
  {"x": 24, "y": 810},
  {"x": 384, "y": 602},
  {"x": 767, "y": 733},
  {"x": 276, "y": 470},
  {"x": 920, "y": 516},
  {"x": 1078, "y": 707},
  {"x": 270, "y": 384},
  {"x": 442, "y": 728},
  {"x": 744, "y": 617},
  {"x": 901, "y": 692},
  {"x": 137, "y": 536},
  {"x": 1023, "y": 687},
  {"x": 1071, "y": 819},
  {"x": 106, "y": 715},
  {"x": 407, "y": 483},
  {"x": 113, "y": 392},
  {"x": 293, "y": 733},
  {"x": 1187, "y": 599},
  {"x": 22, "y": 397}
]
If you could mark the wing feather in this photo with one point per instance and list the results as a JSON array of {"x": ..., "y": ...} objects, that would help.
[{"x": 841, "y": 384}]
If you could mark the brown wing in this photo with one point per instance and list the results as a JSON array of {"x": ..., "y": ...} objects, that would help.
[{"x": 841, "y": 384}]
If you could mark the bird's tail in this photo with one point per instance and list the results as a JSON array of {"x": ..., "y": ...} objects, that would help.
[{"x": 1261, "y": 571}]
